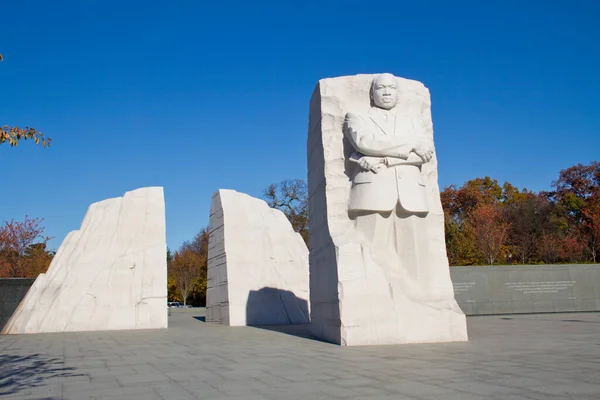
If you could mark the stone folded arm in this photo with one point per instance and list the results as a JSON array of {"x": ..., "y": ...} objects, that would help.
[
  {"x": 369, "y": 143},
  {"x": 412, "y": 159}
]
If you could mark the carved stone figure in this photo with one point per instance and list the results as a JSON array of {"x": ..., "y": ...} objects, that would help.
[
  {"x": 388, "y": 199},
  {"x": 378, "y": 266}
]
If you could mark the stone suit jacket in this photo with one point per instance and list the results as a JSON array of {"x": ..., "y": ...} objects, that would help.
[{"x": 372, "y": 134}]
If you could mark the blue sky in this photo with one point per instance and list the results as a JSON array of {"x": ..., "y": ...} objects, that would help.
[{"x": 195, "y": 96}]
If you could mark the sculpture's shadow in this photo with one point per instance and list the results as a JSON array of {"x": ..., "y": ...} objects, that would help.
[
  {"x": 18, "y": 373},
  {"x": 278, "y": 310},
  {"x": 301, "y": 331},
  {"x": 271, "y": 306}
]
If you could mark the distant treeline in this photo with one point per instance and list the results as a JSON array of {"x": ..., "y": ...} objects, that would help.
[
  {"x": 491, "y": 224},
  {"x": 485, "y": 223},
  {"x": 488, "y": 223}
]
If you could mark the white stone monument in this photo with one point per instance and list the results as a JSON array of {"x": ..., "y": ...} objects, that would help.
[
  {"x": 110, "y": 274},
  {"x": 257, "y": 264},
  {"x": 378, "y": 267}
]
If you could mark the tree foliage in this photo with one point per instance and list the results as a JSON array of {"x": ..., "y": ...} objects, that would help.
[
  {"x": 23, "y": 250},
  {"x": 12, "y": 135},
  {"x": 483, "y": 218},
  {"x": 476, "y": 231},
  {"x": 291, "y": 197},
  {"x": 489, "y": 230},
  {"x": 577, "y": 196},
  {"x": 187, "y": 270},
  {"x": 530, "y": 216}
]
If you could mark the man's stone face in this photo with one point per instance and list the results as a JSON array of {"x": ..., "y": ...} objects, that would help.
[{"x": 385, "y": 91}]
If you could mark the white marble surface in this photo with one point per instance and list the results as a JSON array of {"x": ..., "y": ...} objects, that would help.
[
  {"x": 378, "y": 267},
  {"x": 110, "y": 274},
  {"x": 257, "y": 264}
]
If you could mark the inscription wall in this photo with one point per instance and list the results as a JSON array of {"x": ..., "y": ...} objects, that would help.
[{"x": 516, "y": 289}]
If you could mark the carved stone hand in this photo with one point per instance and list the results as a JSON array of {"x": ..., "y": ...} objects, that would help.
[
  {"x": 424, "y": 151},
  {"x": 371, "y": 163}
]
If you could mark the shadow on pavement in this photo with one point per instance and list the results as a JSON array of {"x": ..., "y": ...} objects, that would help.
[
  {"x": 301, "y": 331},
  {"x": 19, "y": 373},
  {"x": 273, "y": 306}
]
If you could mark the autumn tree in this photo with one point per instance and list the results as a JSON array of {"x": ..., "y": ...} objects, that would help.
[
  {"x": 184, "y": 269},
  {"x": 187, "y": 270},
  {"x": 489, "y": 230},
  {"x": 199, "y": 246},
  {"x": 459, "y": 202},
  {"x": 530, "y": 217},
  {"x": 291, "y": 197},
  {"x": 548, "y": 248},
  {"x": 460, "y": 206},
  {"x": 37, "y": 259},
  {"x": 172, "y": 292},
  {"x": 553, "y": 248},
  {"x": 591, "y": 225},
  {"x": 577, "y": 196},
  {"x": 12, "y": 135},
  {"x": 21, "y": 242},
  {"x": 460, "y": 245}
]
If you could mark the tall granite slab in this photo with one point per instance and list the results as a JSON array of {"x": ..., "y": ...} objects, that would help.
[
  {"x": 110, "y": 274},
  {"x": 257, "y": 264},
  {"x": 523, "y": 289},
  {"x": 364, "y": 292}
]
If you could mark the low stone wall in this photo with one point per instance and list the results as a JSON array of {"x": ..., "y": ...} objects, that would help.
[
  {"x": 517, "y": 289},
  {"x": 12, "y": 291}
]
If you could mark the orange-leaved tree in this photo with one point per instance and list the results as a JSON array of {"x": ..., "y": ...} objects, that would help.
[
  {"x": 460, "y": 206},
  {"x": 489, "y": 230},
  {"x": 184, "y": 270},
  {"x": 21, "y": 248},
  {"x": 530, "y": 217},
  {"x": 577, "y": 196},
  {"x": 187, "y": 269},
  {"x": 591, "y": 223}
]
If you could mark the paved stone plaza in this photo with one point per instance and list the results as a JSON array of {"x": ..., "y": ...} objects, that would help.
[{"x": 546, "y": 356}]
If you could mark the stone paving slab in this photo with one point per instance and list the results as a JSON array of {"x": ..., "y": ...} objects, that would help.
[{"x": 544, "y": 357}]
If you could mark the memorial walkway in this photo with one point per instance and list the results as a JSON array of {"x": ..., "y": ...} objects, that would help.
[{"x": 544, "y": 356}]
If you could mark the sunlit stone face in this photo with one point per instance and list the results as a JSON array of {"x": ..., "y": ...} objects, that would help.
[{"x": 384, "y": 91}]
